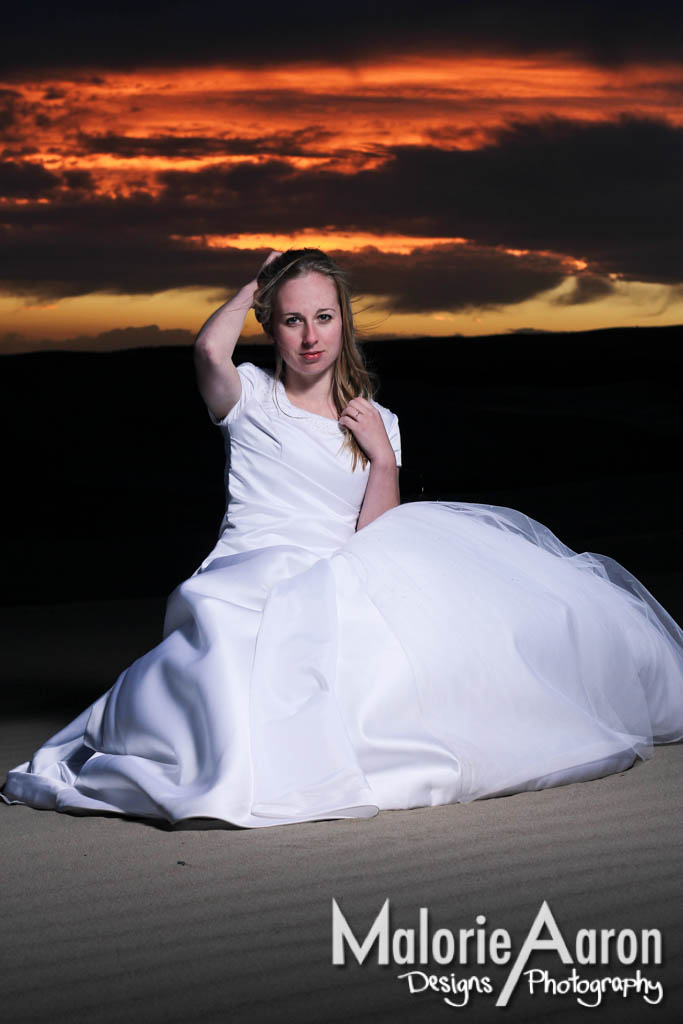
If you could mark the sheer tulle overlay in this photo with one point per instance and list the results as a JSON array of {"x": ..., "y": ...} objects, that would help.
[{"x": 446, "y": 652}]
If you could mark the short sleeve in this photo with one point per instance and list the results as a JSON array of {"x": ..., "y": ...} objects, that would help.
[
  {"x": 394, "y": 435},
  {"x": 252, "y": 378}
]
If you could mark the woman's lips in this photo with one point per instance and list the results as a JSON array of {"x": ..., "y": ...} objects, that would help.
[{"x": 311, "y": 357}]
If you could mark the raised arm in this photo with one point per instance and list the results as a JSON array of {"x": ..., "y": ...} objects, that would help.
[{"x": 217, "y": 377}]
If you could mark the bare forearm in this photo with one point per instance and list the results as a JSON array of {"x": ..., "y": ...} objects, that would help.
[
  {"x": 220, "y": 333},
  {"x": 381, "y": 494}
]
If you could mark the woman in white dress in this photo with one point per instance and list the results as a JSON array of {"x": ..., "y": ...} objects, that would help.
[{"x": 338, "y": 653}]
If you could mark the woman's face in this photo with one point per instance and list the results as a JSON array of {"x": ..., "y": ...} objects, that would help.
[{"x": 307, "y": 320}]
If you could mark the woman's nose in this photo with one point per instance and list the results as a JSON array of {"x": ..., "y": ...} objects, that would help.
[{"x": 309, "y": 332}]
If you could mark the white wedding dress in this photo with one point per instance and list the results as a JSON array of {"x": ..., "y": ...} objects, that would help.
[{"x": 446, "y": 652}]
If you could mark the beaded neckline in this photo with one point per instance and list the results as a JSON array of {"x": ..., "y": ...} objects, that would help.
[{"x": 318, "y": 422}]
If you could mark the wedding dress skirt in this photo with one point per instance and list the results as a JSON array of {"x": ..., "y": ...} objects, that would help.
[{"x": 446, "y": 652}]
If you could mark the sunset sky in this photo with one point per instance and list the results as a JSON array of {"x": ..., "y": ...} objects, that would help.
[{"x": 479, "y": 168}]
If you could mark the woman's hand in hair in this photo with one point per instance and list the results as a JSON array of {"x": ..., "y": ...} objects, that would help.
[
  {"x": 217, "y": 377},
  {"x": 273, "y": 255},
  {"x": 367, "y": 426}
]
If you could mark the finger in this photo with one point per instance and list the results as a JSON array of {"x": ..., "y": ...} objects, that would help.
[
  {"x": 273, "y": 255},
  {"x": 360, "y": 412},
  {"x": 361, "y": 405}
]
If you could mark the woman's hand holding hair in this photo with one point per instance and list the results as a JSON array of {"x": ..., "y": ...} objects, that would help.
[
  {"x": 217, "y": 339},
  {"x": 367, "y": 426},
  {"x": 217, "y": 377},
  {"x": 273, "y": 255}
]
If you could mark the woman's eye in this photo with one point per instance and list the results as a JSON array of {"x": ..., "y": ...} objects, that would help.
[
  {"x": 325, "y": 316},
  {"x": 291, "y": 319}
]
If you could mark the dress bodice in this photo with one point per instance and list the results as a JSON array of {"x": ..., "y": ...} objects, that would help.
[{"x": 288, "y": 478}]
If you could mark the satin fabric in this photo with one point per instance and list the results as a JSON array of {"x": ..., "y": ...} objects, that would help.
[{"x": 447, "y": 652}]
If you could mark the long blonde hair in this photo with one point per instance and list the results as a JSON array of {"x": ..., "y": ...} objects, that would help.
[{"x": 351, "y": 377}]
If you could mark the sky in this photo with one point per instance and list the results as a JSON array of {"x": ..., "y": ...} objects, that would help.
[{"x": 477, "y": 167}]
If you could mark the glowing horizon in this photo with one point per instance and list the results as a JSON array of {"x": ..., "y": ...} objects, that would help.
[{"x": 119, "y": 148}]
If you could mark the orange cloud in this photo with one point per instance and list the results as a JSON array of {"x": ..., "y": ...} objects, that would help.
[
  {"x": 331, "y": 240},
  {"x": 86, "y": 164},
  {"x": 126, "y": 128}
]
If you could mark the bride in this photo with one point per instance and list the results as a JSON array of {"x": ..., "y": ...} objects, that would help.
[{"x": 338, "y": 652}]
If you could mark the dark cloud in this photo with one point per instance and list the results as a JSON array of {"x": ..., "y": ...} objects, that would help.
[
  {"x": 528, "y": 330},
  {"x": 127, "y": 35},
  {"x": 448, "y": 278},
  {"x": 25, "y": 181},
  {"x": 78, "y": 181},
  {"x": 607, "y": 193},
  {"x": 9, "y": 100},
  {"x": 54, "y": 93},
  {"x": 453, "y": 277},
  {"x": 311, "y": 140},
  {"x": 587, "y": 288}
]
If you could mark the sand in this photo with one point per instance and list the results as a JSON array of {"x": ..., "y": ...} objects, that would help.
[{"x": 113, "y": 919}]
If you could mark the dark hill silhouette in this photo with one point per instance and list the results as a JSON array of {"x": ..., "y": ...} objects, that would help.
[{"x": 114, "y": 472}]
